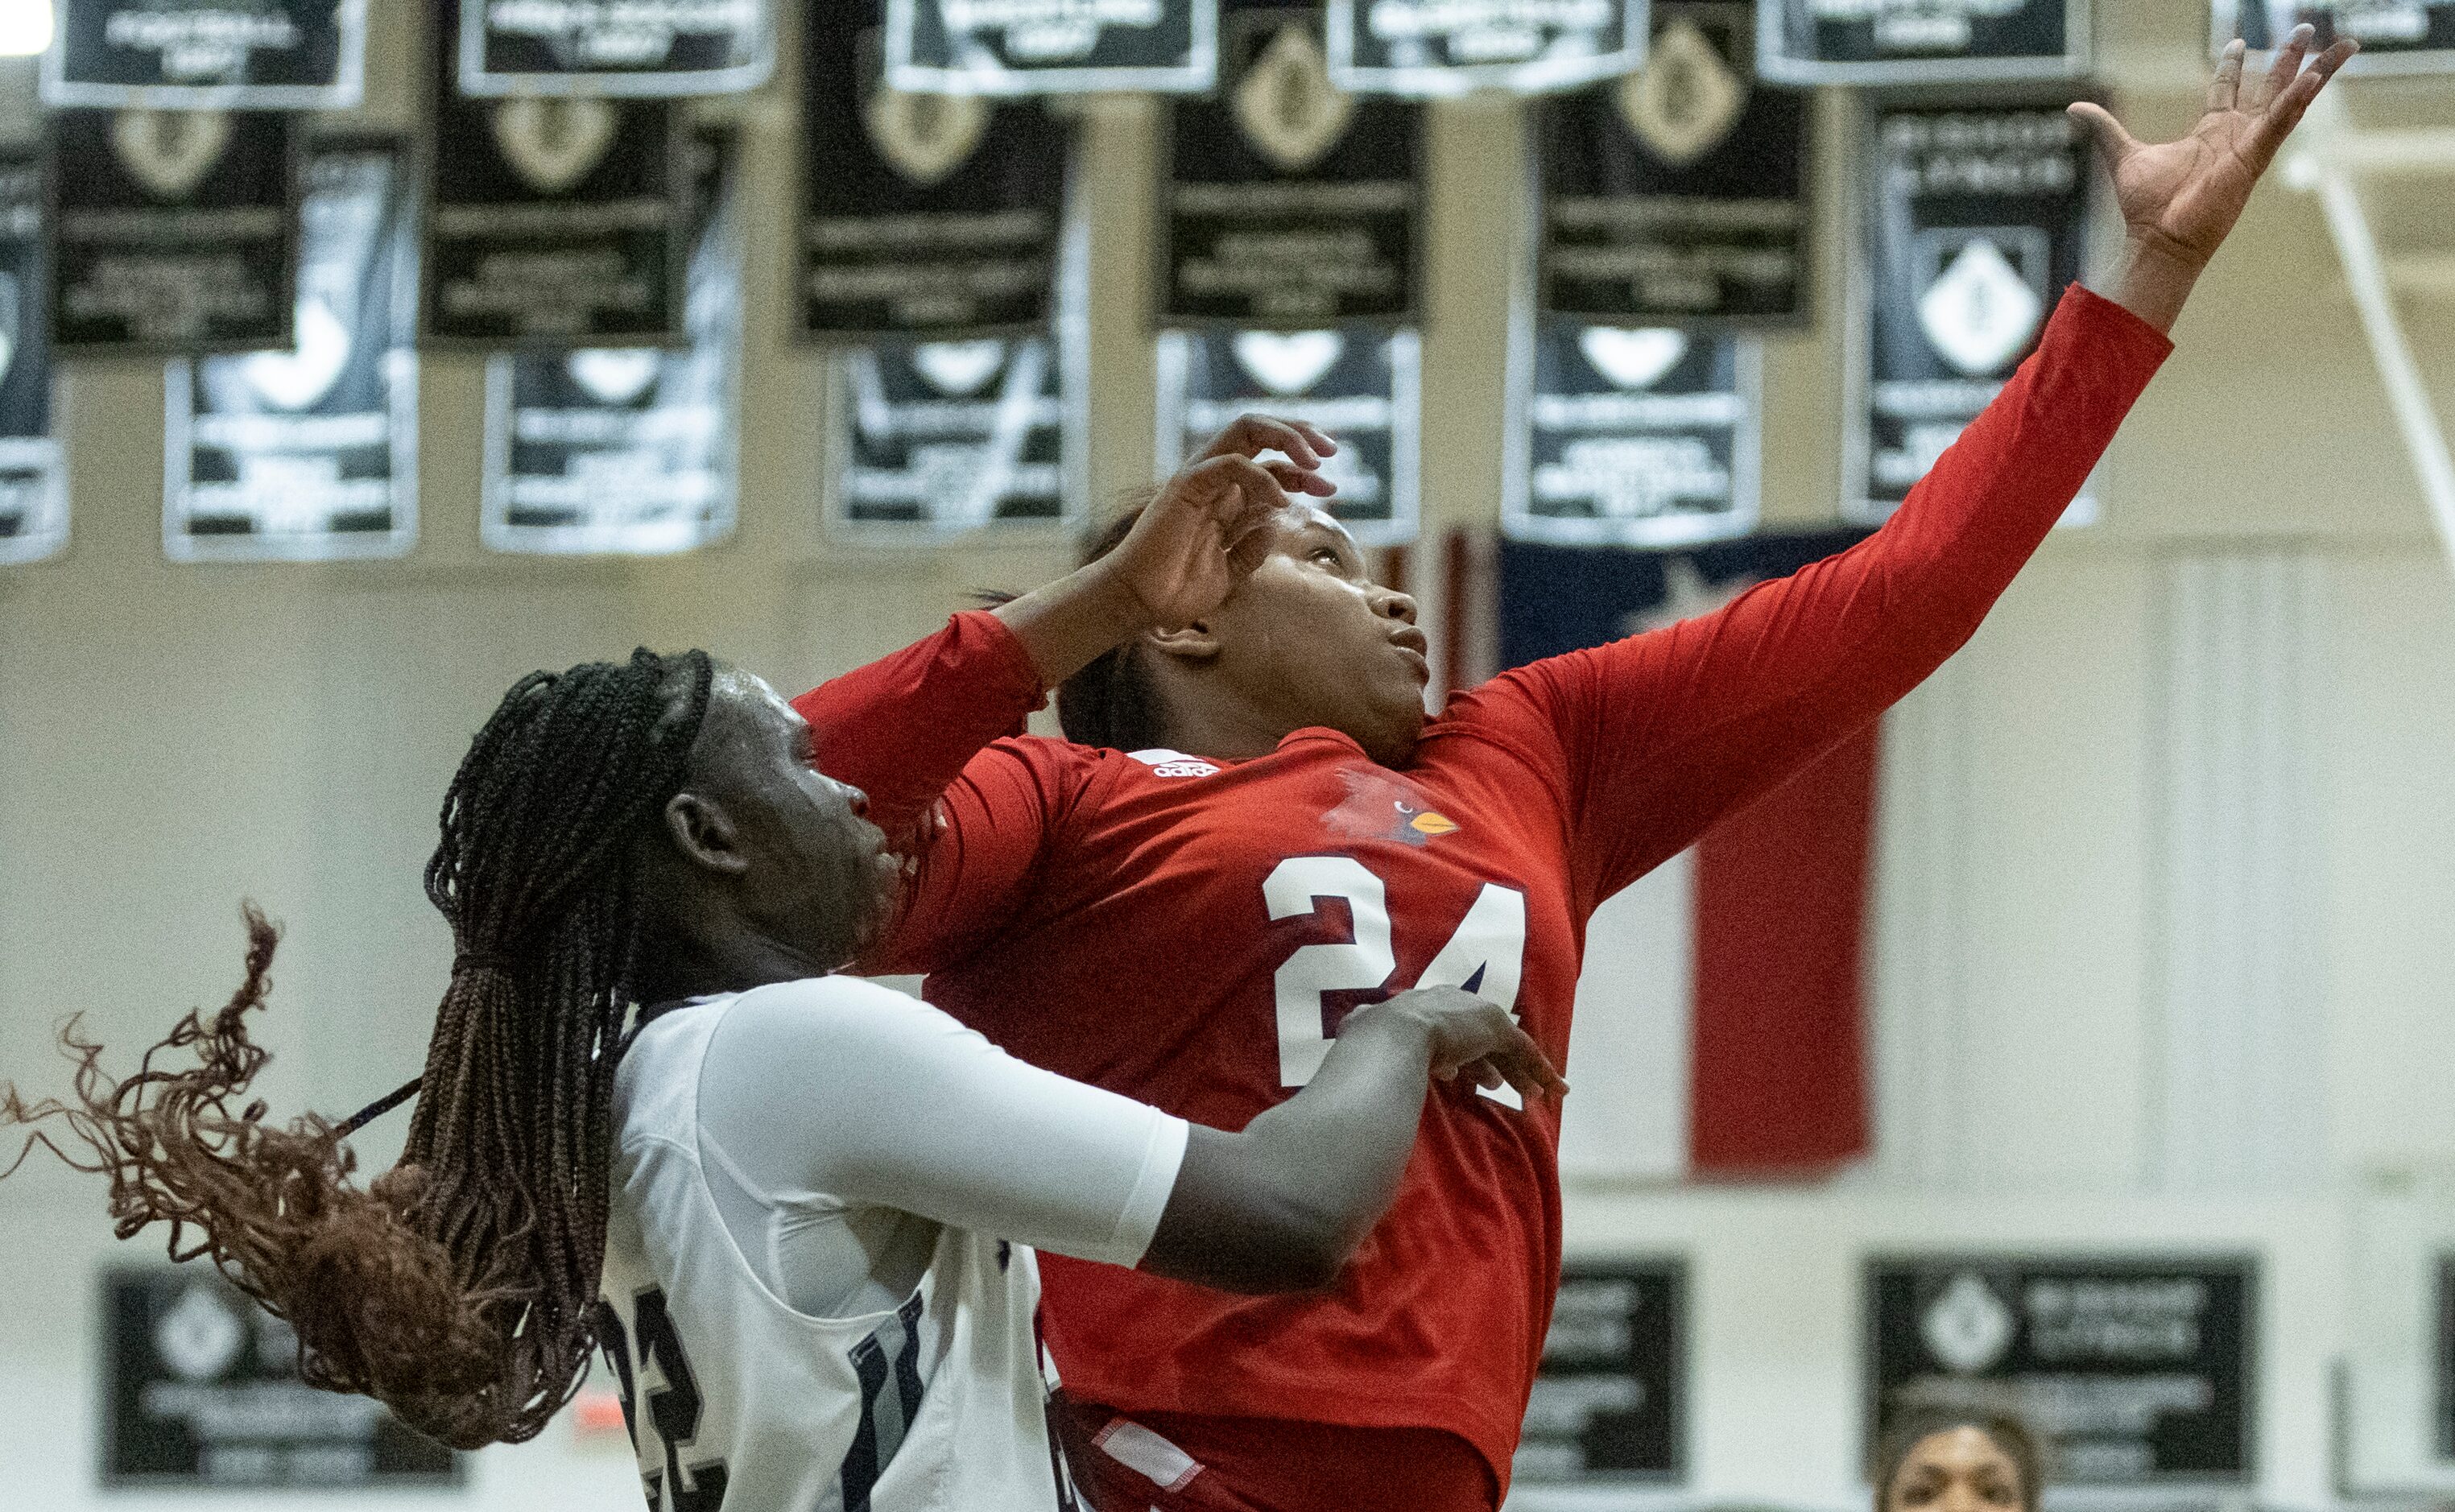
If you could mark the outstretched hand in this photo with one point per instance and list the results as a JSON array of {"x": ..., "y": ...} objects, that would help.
[{"x": 1201, "y": 536}]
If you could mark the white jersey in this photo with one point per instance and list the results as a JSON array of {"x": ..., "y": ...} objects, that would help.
[{"x": 739, "y": 1398}]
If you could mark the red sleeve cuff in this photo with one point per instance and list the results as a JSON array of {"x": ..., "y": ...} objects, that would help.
[
  {"x": 1007, "y": 677},
  {"x": 2131, "y": 339}
]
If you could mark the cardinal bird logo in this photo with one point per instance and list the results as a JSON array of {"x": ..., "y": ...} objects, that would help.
[{"x": 1384, "y": 806}]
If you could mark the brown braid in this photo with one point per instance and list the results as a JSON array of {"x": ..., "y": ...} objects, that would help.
[{"x": 460, "y": 1287}]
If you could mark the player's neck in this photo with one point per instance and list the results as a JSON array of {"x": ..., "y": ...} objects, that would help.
[
  {"x": 677, "y": 967},
  {"x": 1213, "y": 720}
]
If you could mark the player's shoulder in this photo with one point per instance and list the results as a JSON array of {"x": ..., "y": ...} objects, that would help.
[{"x": 842, "y": 1021}]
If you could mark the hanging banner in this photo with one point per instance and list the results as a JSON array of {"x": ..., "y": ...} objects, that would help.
[
  {"x": 554, "y": 220},
  {"x": 2135, "y": 1372},
  {"x": 33, "y": 476},
  {"x": 171, "y": 232},
  {"x": 1052, "y": 47},
  {"x": 2397, "y": 36},
  {"x": 922, "y": 214},
  {"x": 1621, "y": 437},
  {"x": 661, "y": 49},
  {"x": 200, "y": 1388},
  {"x": 1920, "y": 41},
  {"x": 1432, "y": 48},
  {"x": 208, "y": 54},
  {"x": 1290, "y": 203},
  {"x": 312, "y": 453},
  {"x": 629, "y": 451},
  {"x": 1362, "y": 387},
  {"x": 1679, "y": 192},
  {"x": 944, "y": 437},
  {"x": 1975, "y": 225},
  {"x": 1609, "y": 1405}
]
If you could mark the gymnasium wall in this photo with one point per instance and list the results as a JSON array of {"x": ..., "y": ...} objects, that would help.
[{"x": 2162, "y": 958}]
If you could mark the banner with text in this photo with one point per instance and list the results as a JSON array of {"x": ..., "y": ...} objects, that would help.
[
  {"x": 616, "y": 47},
  {"x": 1052, "y": 47},
  {"x": 1679, "y": 192},
  {"x": 1428, "y": 49},
  {"x": 2397, "y": 36},
  {"x": 1609, "y": 1405},
  {"x": 33, "y": 474},
  {"x": 1920, "y": 41},
  {"x": 942, "y": 439},
  {"x": 208, "y": 54}
]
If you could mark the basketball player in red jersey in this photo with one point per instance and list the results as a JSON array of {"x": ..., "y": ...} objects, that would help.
[{"x": 1254, "y": 829}]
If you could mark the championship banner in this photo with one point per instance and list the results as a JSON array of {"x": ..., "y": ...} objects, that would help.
[
  {"x": 311, "y": 454},
  {"x": 1052, "y": 47},
  {"x": 1975, "y": 224},
  {"x": 2397, "y": 36},
  {"x": 629, "y": 451},
  {"x": 208, "y": 54},
  {"x": 1430, "y": 48},
  {"x": 171, "y": 232},
  {"x": 33, "y": 474},
  {"x": 1609, "y": 1405},
  {"x": 922, "y": 214},
  {"x": 201, "y": 1389},
  {"x": 658, "y": 48},
  {"x": 1679, "y": 192},
  {"x": 2135, "y": 1372},
  {"x": 1362, "y": 387},
  {"x": 554, "y": 220},
  {"x": 1920, "y": 41},
  {"x": 1289, "y": 202},
  {"x": 1622, "y": 437},
  {"x": 944, "y": 437}
]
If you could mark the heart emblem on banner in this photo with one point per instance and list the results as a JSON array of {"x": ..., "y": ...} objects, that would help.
[
  {"x": 296, "y": 378},
  {"x": 170, "y": 151},
  {"x": 1685, "y": 99},
  {"x": 1286, "y": 104},
  {"x": 11, "y": 312},
  {"x": 614, "y": 374},
  {"x": 1633, "y": 360},
  {"x": 959, "y": 367},
  {"x": 1287, "y": 362},
  {"x": 1979, "y": 312},
  {"x": 553, "y": 143},
  {"x": 925, "y": 137}
]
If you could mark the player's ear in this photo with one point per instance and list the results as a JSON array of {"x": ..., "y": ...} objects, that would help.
[
  {"x": 1194, "y": 642},
  {"x": 705, "y": 834}
]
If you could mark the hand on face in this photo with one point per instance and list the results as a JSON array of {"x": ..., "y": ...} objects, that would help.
[{"x": 1205, "y": 532}]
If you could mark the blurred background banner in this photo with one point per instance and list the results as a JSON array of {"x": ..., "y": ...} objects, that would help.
[
  {"x": 1362, "y": 386},
  {"x": 172, "y": 232},
  {"x": 310, "y": 453},
  {"x": 2397, "y": 36},
  {"x": 1975, "y": 220},
  {"x": 1631, "y": 438},
  {"x": 1428, "y": 49},
  {"x": 200, "y": 1389},
  {"x": 1921, "y": 41},
  {"x": 615, "y": 47},
  {"x": 1610, "y": 1406},
  {"x": 942, "y": 437},
  {"x": 922, "y": 214},
  {"x": 33, "y": 474},
  {"x": 1051, "y": 47},
  {"x": 1287, "y": 201},
  {"x": 1679, "y": 192},
  {"x": 629, "y": 451},
  {"x": 208, "y": 54},
  {"x": 2136, "y": 1371}
]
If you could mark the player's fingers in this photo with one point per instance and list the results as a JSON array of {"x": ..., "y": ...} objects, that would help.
[
  {"x": 1296, "y": 480},
  {"x": 2113, "y": 143},
  {"x": 2287, "y": 64},
  {"x": 2286, "y": 110},
  {"x": 2225, "y": 90},
  {"x": 1252, "y": 434}
]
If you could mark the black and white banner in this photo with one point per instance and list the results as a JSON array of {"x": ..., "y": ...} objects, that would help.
[
  {"x": 172, "y": 231},
  {"x": 1609, "y": 1405},
  {"x": 1630, "y": 436},
  {"x": 312, "y": 453},
  {"x": 1290, "y": 202},
  {"x": 2134, "y": 1371},
  {"x": 922, "y": 214},
  {"x": 555, "y": 220},
  {"x": 1428, "y": 49},
  {"x": 33, "y": 476},
  {"x": 1976, "y": 220},
  {"x": 1363, "y": 386},
  {"x": 1920, "y": 41},
  {"x": 2397, "y": 36},
  {"x": 629, "y": 451},
  {"x": 1679, "y": 192},
  {"x": 1052, "y": 47},
  {"x": 942, "y": 439},
  {"x": 641, "y": 47},
  {"x": 208, "y": 54}
]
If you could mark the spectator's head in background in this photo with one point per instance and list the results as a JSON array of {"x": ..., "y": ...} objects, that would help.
[{"x": 1958, "y": 1461}]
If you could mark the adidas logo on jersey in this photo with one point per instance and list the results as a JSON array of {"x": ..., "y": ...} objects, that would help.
[{"x": 1175, "y": 764}]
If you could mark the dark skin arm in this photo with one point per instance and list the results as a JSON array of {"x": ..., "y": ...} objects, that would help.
[{"x": 1281, "y": 1205}]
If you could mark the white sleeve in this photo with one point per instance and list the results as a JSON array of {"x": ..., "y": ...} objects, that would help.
[{"x": 838, "y": 1088}]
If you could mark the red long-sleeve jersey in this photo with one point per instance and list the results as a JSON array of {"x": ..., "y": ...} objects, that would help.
[{"x": 1190, "y": 931}]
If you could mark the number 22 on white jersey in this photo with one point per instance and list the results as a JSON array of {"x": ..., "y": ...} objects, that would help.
[{"x": 1488, "y": 949}]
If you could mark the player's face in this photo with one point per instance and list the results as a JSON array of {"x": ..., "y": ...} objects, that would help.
[
  {"x": 1958, "y": 1470},
  {"x": 1311, "y": 638}
]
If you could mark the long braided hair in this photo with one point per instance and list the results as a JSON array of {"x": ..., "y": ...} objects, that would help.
[{"x": 460, "y": 1286}]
